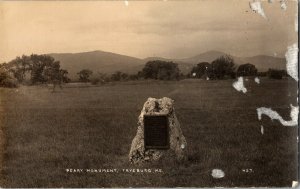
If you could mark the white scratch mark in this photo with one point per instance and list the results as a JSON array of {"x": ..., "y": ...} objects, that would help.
[
  {"x": 296, "y": 20},
  {"x": 256, "y": 7},
  {"x": 291, "y": 57},
  {"x": 194, "y": 74},
  {"x": 239, "y": 85},
  {"x": 274, "y": 115},
  {"x": 296, "y": 23},
  {"x": 217, "y": 173},
  {"x": 275, "y": 54},
  {"x": 294, "y": 184},
  {"x": 182, "y": 146},
  {"x": 262, "y": 129},
  {"x": 256, "y": 79},
  {"x": 207, "y": 78},
  {"x": 126, "y": 3},
  {"x": 283, "y": 5}
]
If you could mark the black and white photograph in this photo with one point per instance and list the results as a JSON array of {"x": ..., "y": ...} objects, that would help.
[{"x": 160, "y": 94}]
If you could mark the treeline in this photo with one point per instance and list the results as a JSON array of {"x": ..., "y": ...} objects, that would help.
[
  {"x": 157, "y": 70},
  {"x": 41, "y": 69},
  {"x": 224, "y": 67},
  {"x": 33, "y": 69},
  {"x": 221, "y": 68},
  {"x": 87, "y": 75}
]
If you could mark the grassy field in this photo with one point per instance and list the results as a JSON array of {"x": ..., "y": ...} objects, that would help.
[{"x": 92, "y": 127}]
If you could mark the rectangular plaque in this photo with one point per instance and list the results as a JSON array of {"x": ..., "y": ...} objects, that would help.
[{"x": 156, "y": 132}]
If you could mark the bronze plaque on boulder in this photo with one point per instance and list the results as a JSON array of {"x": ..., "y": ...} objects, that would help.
[{"x": 156, "y": 132}]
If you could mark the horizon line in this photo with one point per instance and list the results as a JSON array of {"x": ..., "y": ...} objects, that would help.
[{"x": 147, "y": 56}]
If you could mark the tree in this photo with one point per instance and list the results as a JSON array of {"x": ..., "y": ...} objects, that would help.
[
  {"x": 161, "y": 70},
  {"x": 221, "y": 67},
  {"x": 19, "y": 67},
  {"x": 55, "y": 75},
  {"x": 103, "y": 77},
  {"x": 41, "y": 68},
  {"x": 5, "y": 79},
  {"x": 133, "y": 77},
  {"x": 124, "y": 76},
  {"x": 200, "y": 70},
  {"x": 262, "y": 74},
  {"x": 100, "y": 78},
  {"x": 276, "y": 74},
  {"x": 247, "y": 70},
  {"x": 140, "y": 75},
  {"x": 51, "y": 72},
  {"x": 64, "y": 76},
  {"x": 119, "y": 76},
  {"x": 40, "y": 64},
  {"x": 84, "y": 75}
]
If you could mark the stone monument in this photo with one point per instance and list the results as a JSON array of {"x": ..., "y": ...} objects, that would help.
[{"x": 158, "y": 133}]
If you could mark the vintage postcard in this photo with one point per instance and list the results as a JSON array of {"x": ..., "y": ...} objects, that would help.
[{"x": 149, "y": 94}]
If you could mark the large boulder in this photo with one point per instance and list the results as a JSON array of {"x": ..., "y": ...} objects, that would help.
[{"x": 177, "y": 142}]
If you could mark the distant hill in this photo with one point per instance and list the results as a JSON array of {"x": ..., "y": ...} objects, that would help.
[
  {"x": 208, "y": 56},
  {"x": 107, "y": 62},
  {"x": 98, "y": 61}
]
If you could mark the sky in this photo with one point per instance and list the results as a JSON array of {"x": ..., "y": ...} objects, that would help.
[{"x": 170, "y": 29}]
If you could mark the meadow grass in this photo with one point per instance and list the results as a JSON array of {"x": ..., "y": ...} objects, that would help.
[{"x": 92, "y": 127}]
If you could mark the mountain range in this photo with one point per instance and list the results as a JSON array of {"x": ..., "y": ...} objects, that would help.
[{"x": 107, "y": 62}]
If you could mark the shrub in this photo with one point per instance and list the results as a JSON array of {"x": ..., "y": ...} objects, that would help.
[
  {"x": 221, "y": 67},
  {"x": 161, "y": 70},
  {"x": 95, "y": 81},
  {"x": 247, "y": 70},
  {"x": 84, "y": 75},
  {"x": 262, "y": 74},
  {"x": 133, "y": 77},
  {"x": 9, "y": 83},
  {"x": 276, "y": 74},
  {"x": 6, "y": 80},
  {"x": 200, "y": 70}
]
